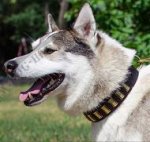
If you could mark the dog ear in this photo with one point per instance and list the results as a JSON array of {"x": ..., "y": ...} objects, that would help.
[
  {"x": 85, "y": 24},
  {"x": 51, "y": 24}
]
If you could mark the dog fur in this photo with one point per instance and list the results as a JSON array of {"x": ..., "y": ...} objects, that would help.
[{"x": 94, "y": 64}]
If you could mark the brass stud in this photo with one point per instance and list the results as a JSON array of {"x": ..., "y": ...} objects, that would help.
[
  {"x": 89, "y": 116},
  {"x": 105, "y": 109},
  {"x": 97, "y": 115},
  {"x": 112, "y": 102},
  {"x": 120, "y": 95},
  {"x": 126, "y": 87}
]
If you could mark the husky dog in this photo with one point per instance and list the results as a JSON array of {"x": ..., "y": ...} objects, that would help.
[{"x": 82, "y": 67}]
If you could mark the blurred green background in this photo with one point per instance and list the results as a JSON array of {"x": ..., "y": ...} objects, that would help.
[
  {"x": 126, "y": 20},
  {"x": 42, "y": 123}
]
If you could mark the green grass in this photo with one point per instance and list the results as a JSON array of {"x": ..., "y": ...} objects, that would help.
[{"x": 42, "y": 123}]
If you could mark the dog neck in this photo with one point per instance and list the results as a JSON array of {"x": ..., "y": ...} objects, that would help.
[
  {"x": 111, "y": 103},
  {"x": 108, "y": 70}
]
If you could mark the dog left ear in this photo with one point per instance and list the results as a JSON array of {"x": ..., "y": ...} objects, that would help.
[
  {"x": 51, "y": 24},
  {"x": 85, "y": 24}
]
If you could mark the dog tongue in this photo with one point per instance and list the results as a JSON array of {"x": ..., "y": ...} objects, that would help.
[{"x": 34, "y": 89}]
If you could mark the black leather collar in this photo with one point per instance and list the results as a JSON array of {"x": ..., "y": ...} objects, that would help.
[{"x": 110, "y": 104}]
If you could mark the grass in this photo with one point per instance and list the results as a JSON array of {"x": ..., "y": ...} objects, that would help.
[{"x": 42, "y": 123}]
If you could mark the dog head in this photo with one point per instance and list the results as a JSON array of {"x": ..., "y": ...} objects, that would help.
[
  {"x": 72, "y": 64},
  {"x": 57, "y": 58}
]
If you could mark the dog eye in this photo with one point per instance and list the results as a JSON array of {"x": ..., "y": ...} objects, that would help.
[{"x": 49, "y": 51}]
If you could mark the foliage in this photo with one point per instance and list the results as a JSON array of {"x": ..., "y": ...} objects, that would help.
[
  {"x": 20, "y": 18},
  {"x": 127, "y": 21},
  {"x": 25, "y": 17},
  {"x": 27, "y": 21}
]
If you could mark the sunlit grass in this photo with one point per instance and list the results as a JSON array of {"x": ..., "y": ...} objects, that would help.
[{"x": 43, "y": 123}]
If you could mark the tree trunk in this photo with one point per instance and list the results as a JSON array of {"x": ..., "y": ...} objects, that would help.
[
  {"x": 46, "y": 11},
  {"x": 63, "y": 9}
]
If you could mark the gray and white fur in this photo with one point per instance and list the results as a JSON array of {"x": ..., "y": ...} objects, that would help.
[{"x": 94, "y": 64}]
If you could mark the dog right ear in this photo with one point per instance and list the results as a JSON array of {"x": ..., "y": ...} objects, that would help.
[
  {"x": 85, "y": 24},
  {"x": 52, "y": 27}
]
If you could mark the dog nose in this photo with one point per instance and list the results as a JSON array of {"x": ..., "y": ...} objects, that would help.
[{"x": 10, "y": 67}]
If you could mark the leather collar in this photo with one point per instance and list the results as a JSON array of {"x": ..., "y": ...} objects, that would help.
[{"x": 111, "y": 103}]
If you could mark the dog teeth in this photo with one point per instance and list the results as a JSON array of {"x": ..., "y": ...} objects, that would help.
[
  {"x": 48, "y": 86},
  {"x": 51, "y": 82},
  {"x": 43, "y": 89},
  {"x": 30, "y": 96}
]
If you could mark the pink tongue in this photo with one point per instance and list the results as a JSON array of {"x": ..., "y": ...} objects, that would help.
[{"x": 35, "y": 89}]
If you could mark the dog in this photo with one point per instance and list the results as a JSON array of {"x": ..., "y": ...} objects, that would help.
[{"x": 84, "y": 67}]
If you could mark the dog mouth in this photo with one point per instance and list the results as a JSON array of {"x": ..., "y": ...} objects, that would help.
[{"x": 41, "y": 87}]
